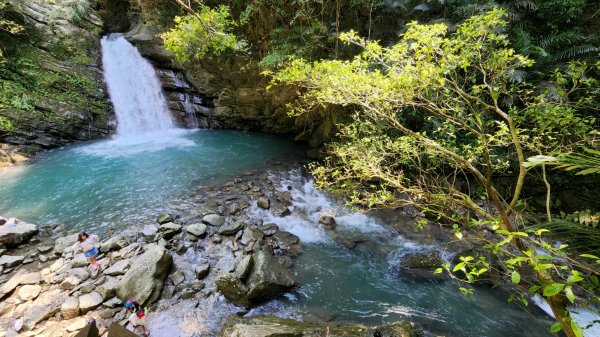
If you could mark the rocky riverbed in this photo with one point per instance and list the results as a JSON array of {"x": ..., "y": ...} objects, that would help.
[{"x": 209, "y": 259}]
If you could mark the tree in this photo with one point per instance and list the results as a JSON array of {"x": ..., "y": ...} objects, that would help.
[{"x": 436, "y": 107}]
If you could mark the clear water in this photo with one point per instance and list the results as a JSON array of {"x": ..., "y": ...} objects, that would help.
[{"x": 122, "y": 182}]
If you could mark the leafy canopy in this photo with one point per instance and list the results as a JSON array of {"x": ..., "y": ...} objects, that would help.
[
  {"x": 201, "y": 33},
  {"x": 436, "y": 108}
]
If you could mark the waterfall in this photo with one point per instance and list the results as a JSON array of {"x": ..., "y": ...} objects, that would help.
[{"x": 134, "y": 88}]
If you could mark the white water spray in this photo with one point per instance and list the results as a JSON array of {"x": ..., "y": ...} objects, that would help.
[{"x": 134, "y": 89}]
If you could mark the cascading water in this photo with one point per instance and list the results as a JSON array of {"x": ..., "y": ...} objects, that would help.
[{"x": 134, "y": 89}]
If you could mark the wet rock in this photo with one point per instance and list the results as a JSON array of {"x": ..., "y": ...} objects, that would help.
[
  {"x": 285, "y": 240},
  {"x": 327, "y": 221},
  {"x": 202, "y": 270},
  {"x": 63, "y": 242},
  {"x": 8, "y": 261},
  {"x": 119, "y": 268},
  {"x": 13, "y": 234},
  {"x": 231, "y": 229},
  {"x": 197, "y": 229},
  {"x": 213, "y": 219},
  {"x": 268, "y": 229},
  {"x": 70, "y": 308},
  {"x": 29, "y": 292},
  {"x": 114, "y": 243},
  {"x": 270, "y": 326},
  {"x": 282, "y": 212},
  {"x": 149, "y": 232},
  {"x": 90, "y": 302},
  {"x": 145, "y": 279},
  {"x": 263, "y": 202},
  {"x": 177, "y": 277},
  {"x": 268, "y": 278},
  {"x": 169, "y": 230},
  {"x": 244, "y": 267},
  {"x": 422, "y": 260},
  {"x": 233, "y": 289},
  {"x": 164, "y": 218}
]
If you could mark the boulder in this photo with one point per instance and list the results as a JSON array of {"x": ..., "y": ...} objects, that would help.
[
  {"x": 46, "y": 305},
  {"x": 63, "y": 242},
  {"x": 8, "y": 261},
  {"x": 169, "y": 230},
  {"x": 285, "y": 240},
  {"x": 119, "y": 268},
  {"x": 89, "y": 302},
  {"x": 79, "y": 261},
  {"x": 213, "y": 219},
  {"x": 114, "y": 243},
  {"x": 145, "y": 279},
  {"x": 268, "y": 278},
  {"x": 19, "y": 278},
  {"x": 197, "y": 229},
  {"x": 149, "y": 232},
  {"x": 164, "y": 218},
  {"x": 177, "y": 277},
  {"x": 70, "y": 308},
  {"x": 70, "y": 283},
  {"x": 231, "y": 229},
  {"x": 29, "y": 292},
  {"x": 108, "y": 289},
  {"x": 422, "y": 260},
  {"x": 268, "y": 229},
  {"x": 44, "y": 249},
  {"x": 233, "y": 289},
  {"x": 13, "y": 234},
  {"x": 202, "y": 270},
  {"x": 244, "y": 267},
  {"x": 327, "y": 221},
  {"x": 270, "y": 326},
  {"x": 264, "y": 202}
]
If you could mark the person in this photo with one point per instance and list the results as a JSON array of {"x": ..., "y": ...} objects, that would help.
[
  {"x": 87, "y": 243},
  {"x": 138, "y": 316}
]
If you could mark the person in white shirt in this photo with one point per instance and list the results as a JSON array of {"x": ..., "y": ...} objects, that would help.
[{"x": 87, "y": 243}]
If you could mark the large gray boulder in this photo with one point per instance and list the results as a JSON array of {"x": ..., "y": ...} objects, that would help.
[
  {"x": 61, "y": 243},
  {"x": 270, "y": 326},
  {"x": 14, "y": 234},
  {"x": 268, "y": 278},
  {"x": 114, "y": 243},
  {"x": 144, "y": 280},
  {"x": 256, "y": 279}
]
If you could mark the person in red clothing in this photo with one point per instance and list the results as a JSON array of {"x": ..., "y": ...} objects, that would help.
[{"x": 138, "y": 316}]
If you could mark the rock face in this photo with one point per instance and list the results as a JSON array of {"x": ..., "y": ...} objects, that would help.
[
  {"x": 15, "y": 234},
  {"x": 256, "y": 279},
  {"x": 268, "y": 326},
  {"x": 65, "y": 100},
  {"x": 144, "y": 280}
]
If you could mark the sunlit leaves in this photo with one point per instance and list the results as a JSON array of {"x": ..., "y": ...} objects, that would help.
[{"x": 196, "y": 35}]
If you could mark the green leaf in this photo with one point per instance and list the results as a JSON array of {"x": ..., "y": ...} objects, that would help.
[
  {"x": 574, "y": 278},
  {"x": 569, "y": 294},
  {"x": 576, "y": 329},
  {"x": 590, "y": 256},
  {"x": 438, "y": 271},
  {"x": 515, "y": 277},
  {"x": 556, "y": 327},
  {"x": 553, "y": 289}
]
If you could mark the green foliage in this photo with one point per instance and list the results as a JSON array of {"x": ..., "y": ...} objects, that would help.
[
  {"x": 5, "y": 124},
  {"x": 206, "y": 32},
  {"x": 584, "y": 163},
  {"x": 475, "y": 119}
]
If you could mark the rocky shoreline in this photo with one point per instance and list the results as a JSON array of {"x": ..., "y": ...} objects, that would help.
[{"x": 191, "y": 259}]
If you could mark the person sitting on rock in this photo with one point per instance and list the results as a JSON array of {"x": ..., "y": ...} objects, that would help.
[
  {"x": 87, "y": 243},
  {"x": 137, "y": 317}
]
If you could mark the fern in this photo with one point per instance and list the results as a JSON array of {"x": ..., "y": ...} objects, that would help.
[
  {"x": 571, "y": 53},
  {"x": 585, "y": 217},
  {"x": 581, "y": 238}
]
